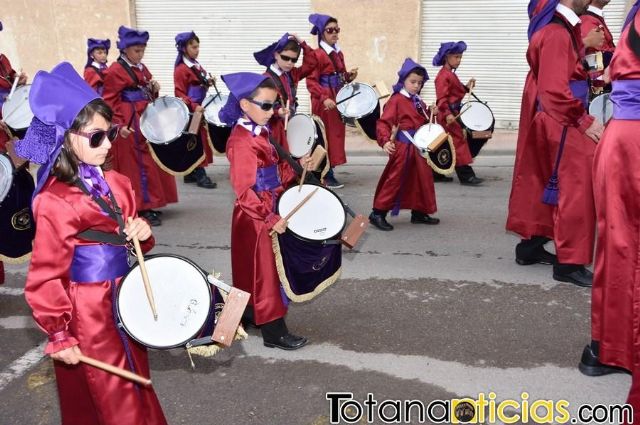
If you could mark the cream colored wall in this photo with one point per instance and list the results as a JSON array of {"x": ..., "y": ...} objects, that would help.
[{"x": 38, "y": 34}]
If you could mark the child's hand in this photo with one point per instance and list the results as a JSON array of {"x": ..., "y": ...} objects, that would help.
[
  {"x": 450, "y": 119},
  {"x": 280, "y": 227},
  {"x": 471, "y": 84},
  {"x": 307, "y": 163},
  {"x": 283, "y": 112},
  {"x": 125, "y": 132},
  {"x": 199, "y": 108},
  {"x": 138, "y": 228},
  {"x": 389, "y": 147},
  {"x": 329, "y": 104},
  {"x": 22, "y": 79},
  {"x": 293, "y": 35},
  {"x": 352, "y": 75},
  {"x": 68, "y": 355}
]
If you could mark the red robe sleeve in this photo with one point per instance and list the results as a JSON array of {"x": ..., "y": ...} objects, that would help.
[
  {"x": 309, "y": 63},
  {"x": 590, "y": 22},
  {"x": 324, "y": 66},
  {"x": 448, "y": 91},
  {"x": 388, "y": 119},
  {"x": 182, "y": 79},
  {"x": 92, "y": 77}
]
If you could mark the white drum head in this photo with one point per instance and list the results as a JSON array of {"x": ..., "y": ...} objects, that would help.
[
  {"x": 164, "y": 120},
  {"x": 301, "y": 135},
  {"x": 601, "y": 107},
  {"x": 360, "y": 105},
  {"x": 182, "y": 297},
  {"x": 427, "y": 134},
  {"x": 16, "y": 112},
  {"x": 477, "y": 116},
  {"x": 323, "y": 216},
  {"x": 212, "y": 109},
  {"x": 6, "y": 176}
]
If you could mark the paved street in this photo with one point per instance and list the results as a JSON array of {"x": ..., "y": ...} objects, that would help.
[{"x": 420, "y": 313}]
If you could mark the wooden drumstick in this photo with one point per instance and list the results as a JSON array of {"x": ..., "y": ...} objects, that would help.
[
  {"x": 304, "y": 176},
  {"x": 462, "y": 112},
  {"x": 145, "y": 276},
  {"x": 13, "y": 87},
  {"x": 286, "y": 117},
  {"x": 123, "y": 373},
  {"x": 297, "y": 207},
  {"x": 394, "y": 133}
]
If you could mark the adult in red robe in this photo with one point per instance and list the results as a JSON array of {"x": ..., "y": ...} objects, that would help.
[
  {"x": 593, "y": 20},
  {"x": 556, "y": 94},
  {"x": 128, "y": 88},
  {"x": 96, "y": 66},
  {"x": 407, "y": 179}
]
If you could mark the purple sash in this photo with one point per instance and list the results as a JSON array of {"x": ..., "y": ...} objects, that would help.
[
  {"x": 402, "y": 138},
  {"x": 197, "y": 93},
  {"x": 267, "y": 179},
  {"x": 580, "y": 91},
  {"x": 333, "y": 80},
  {"x": 625, "y": 99},
  {"x": 132, "y": 96},
  {"x": 3, "y": 95},
  {"x": 97, "y": 263}
]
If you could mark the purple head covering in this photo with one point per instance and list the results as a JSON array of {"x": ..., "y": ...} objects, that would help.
[
  {"x": 131, "y": 37},
  {"x": 94, "y": 43},
  {"x": 265, "y": 56},
  {"x": 448, "y": 48},
  {"x": 408, "y": 66},
  {"x": 181, "y": 45},
  {"x": 632, "y": 14},
  {"x": 56, "y": 98},
  {"x": 241, "y": 85},
  {"x": 540, "y": 14},
  {"x": 319, "y": 22}
]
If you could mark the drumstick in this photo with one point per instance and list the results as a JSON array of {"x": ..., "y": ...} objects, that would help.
[
  {"x": 123, "y": 373},
  {"x": 347, "y": 98},
  {"x": 394, "y": 133},
  {"x": 297, "y": 207},
  {"x": 462, "y": 112},
  {"x": 286, "y": 118},
  {"x": 304, "y": 175},
  {"x": 145, "y": 276},
  {"x": 13, "y": 87}
]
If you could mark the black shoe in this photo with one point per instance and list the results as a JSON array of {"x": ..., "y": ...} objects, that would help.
[
  {"x": 591, "y": 366},
  {"x": 380, "y": 222},
  {"x": 153, "y": 219},
  {"x": 420, "y": 218},
  {"x": 472, "y": 181},
  {"x": 536, "y": 256},
  {"x": 437, "y": 177},
  {"x": 286, "y": 342},
  {"x": 578, "y": 275},
  {"x": 332, "y": 183},
  {"x": 190, "y": 178},
  {"x": 206, "y": 182}
]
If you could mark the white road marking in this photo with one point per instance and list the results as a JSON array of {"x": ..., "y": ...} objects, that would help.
[
  {"x": 17, "y": 322},
  {"x": 11, "y": 291},
  {"x": 21, "y": 365}
]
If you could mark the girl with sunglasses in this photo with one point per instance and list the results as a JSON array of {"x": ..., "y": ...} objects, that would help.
[
  {"x": 96, "y": 66},
  {"x": 79, "y": 255},
  {"x": 258, "y": 177},
  {"x": 280, "y": 59},
  {"x": 329, "y": 75}
]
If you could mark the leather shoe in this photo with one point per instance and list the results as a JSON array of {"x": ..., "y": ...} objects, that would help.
[
  {"x": 472, "y": 181},
  {"x": 423, "y": 219},
  {"x": 380, "y": 222},
  {"x": 190, "y": 178},
  {"x": 591, "y": 366},
  {"x": 206, "y": 182},
  {"x": 151, "y": 217},
  {"x": 437, "y": 177},
  {"x": 541, "y": 256},
  {"x": 287, "y": 342},
  {"x": 580, "y": 276}
]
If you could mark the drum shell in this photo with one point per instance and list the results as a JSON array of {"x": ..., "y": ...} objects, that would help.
[
  {"x": 16, "y": 112},
  {"x": 219, "y": 136},
  {"x": 367, "y": 124},
  {"x": 17, "y": 225},
  {"x": 179, "y": 157},
  {"x": 477, "y": 138},
  {"x": 368, "y": 102}
]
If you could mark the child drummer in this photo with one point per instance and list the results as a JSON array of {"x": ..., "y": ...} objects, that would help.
[{"x": 96, "y": 66}]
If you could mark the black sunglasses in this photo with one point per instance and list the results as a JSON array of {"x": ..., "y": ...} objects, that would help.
[
  {"x": 332, "y": 30},
  {"x": 96, "y": 137},
  {"x": 288, "y": 59},
  {"x": 265, "y": 106}
]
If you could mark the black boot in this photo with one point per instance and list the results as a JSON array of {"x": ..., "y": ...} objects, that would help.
[
  {"x": 152, "y": 217},
  {"x": 573, "y": 273},
  {"x": 202, "y": 180},
  {"x": 248, "y": 320},
  {"x": 420, "y": 217},
  {"x": 276, "y": 335},
  {"x": 531, "y": 251},
  {"x": 467, "y": 176},
  {"x": 591, "y": 366},
  {"x": 379, "y": 219},
  {"x": 437, "y": 177}
]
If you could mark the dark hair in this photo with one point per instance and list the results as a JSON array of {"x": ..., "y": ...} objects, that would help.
[
  {"x": 66, "y": 166},
  {"x": 331, "y": 20},
  {"x": 291, "y": 45},
  {"x": 417, "y": 71},
  {"x": 267, "y": 83},
  {"x": 195, "y": 37}
]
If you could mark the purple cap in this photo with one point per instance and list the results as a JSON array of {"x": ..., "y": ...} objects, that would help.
[
  {"x": 630, "y": 15},
  {"x": 408, "y": 66},
  {"x": 540, "y": 14},
  {"x": 131, "y": 37},
  {"x": 319, "y": 22},
  {"x": 94, "y": 43},
  {"x": 265, "y": 56},
  {"x": 448, "y": 48},
  {"x": 241, "y": 85},
  {"x": 56, "y": 98},
  {"x": 181, "y": 45}
]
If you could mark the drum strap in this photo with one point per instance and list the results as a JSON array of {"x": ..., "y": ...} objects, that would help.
[
  {"x": 114, "y": 212},
  {"x": 285, "y": 95},
  {"x": 202, "y": 77},
  {"x": 132, "y": 74},
  {"x": 98, "y": 71}
]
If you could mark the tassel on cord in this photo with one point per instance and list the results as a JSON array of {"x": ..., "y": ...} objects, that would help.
[{"x": 551, "y": 192}]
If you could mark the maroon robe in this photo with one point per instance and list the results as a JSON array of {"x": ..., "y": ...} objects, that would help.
[
  {"x": 590, "y": 21},
  {"x": 333, "y": 124},
  {"x": 7, "y": 74},
  {"x": 82, "y": 313},
  {"x": 276, "y": 123},
  {"x": 253, "y": 263},
  {"x": 450, "y": 92},
  {"x": 94, "y": 78},
  {"x": 183, "y": 78},
  {"x": 615, "y": 306},
  {"x": 153, "y": 187},
  {"x": 407, "y": 177},
  {"x": 572, "y": 223}
]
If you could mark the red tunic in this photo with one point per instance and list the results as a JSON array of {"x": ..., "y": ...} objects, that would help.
[
  {"x": 84, "y": 311},
  {"x": 183, "y": 78},
  {"x": 591, "y": 21},
  {"x": 450, "y": 92},
  {"x": 153, "y": 187},
  {"x": 7, "y": 74},
  {"x": 95, "y": 78},
  {"x": 252, "y": 261},
  {"x": 287, "y": 80},
  {"x": 407, "y": 174},
  {"x": 572, "y": 223},
  {"x": 333, "y": 124},
  {"x": 615, "y": 306}
]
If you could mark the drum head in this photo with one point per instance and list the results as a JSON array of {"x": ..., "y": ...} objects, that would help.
[
  {"x": 360, "y": 105},
  {"x": 477, "y": 116},
  {"x": 16, "y": 112},
  {"x": 6, "y": 176},
  {"x": 182, "y": 296},
  {"x": 425, "y": 135},
  {"x": 301, "y": 135},
  {"x": 323, "y": 216},
  {"x": 601, "y": 107},
  {"x": 164, "y": 119},
  {"x": 212, "y": 109}
]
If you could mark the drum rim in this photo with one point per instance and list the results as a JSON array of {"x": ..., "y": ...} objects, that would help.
[
  {"x": 12, "y": 170},
  {"x": 222, "y": 101},
  {"x": 607, "y": 99},
  {"x": 122, "y": 325},
  {"x": 315, "y": 132},
  {"x": 426, "y": 125},
  {"x": 365, "y": 114},
  {"x": 183, "y": 106},
  {"x": 315, "y": 241},
  {"x": 493, "y": 117},
  {"x": 4, "y": 114}
]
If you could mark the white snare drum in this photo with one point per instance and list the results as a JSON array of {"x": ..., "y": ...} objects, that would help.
[
  {"x": 16, "y": 112},
  {"x": 595, "y": 62},
  {"x": 601, "y": 107},
  {"x": 363, "y": 102},
  {"x": 6, "y": 176},
  {"x": 164, "y": 120},
  {"x": 213, "y": 107},
  {"x": 477, "y": 116},
  {"x": 302, "y": 135},
  {"x": 182, "y": 296},
  {"x": 428, "y": 138},
  {"x": 322, "y": 218}
]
